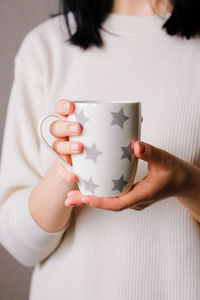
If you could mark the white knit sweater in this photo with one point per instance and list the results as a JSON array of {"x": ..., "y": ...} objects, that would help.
[{"x": 153, "y": 254}]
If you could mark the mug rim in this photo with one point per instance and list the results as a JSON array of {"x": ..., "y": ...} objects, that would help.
[{"x": 106, "y": 102}]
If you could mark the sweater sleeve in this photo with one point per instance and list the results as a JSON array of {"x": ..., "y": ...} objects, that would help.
[{"x": 20, "y": 169}]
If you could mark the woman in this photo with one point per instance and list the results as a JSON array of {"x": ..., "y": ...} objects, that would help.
[{"x": 107, "y": 248}]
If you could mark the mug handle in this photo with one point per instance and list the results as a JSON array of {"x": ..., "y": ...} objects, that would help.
[{"x": 46, "y": 144}]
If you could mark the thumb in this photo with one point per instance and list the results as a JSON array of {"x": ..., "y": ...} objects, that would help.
[{"x": 148, "y": 152}]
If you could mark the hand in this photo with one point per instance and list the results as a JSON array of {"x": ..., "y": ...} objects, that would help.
[
  {"x": 62, "y": 129},
  {"x": 168, "y": 176}
]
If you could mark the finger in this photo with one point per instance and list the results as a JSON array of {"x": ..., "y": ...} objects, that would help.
[
  {"x": 149, "y": 153},
  {"x": 108, "y": 203},
  {"x": 141, "y": 205},
  {"x": 65, "y": 174},
  {"x": 114, "y": 203},
  {"x": 75, "y": 200},
  {"x": 76, "y": 197},
  {"x": 67, "y": 147},
  {"x": 74, "y": 193},
  {"x": 64, "y": 128},
  {"x": 146, "y": 190},
  {"x": 64, "y": 107}
]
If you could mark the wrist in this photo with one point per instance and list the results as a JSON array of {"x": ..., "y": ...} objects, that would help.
[
  {"x": 191, "y": 188},
  {"x": 190, "y": 197},
  {"x": 47, "y": 201}
]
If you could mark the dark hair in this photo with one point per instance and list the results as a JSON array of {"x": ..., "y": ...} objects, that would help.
[{"x": 89, "y": 15}]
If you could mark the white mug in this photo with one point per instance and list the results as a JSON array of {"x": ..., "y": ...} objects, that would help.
[{"x": 106, "y": 167}]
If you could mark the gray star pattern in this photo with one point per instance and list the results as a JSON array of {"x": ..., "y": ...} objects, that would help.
[
  {"x": 119, "y": 118},
  {"x": 92, "y": 152},
  {"x": 128, "y": 151},
  {"x": 90, "y": 185},
  {"x": 119, "y": 184},
  {"x": 80, "y": 118}
]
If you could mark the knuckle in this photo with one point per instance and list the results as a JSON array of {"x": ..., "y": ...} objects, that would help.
[
  {"x": 55, "y": 145},
  {"x": 61, "y": 170},
  {"x": 58, "y": 105},
  {"x": 59, "y": 128},
  {"x": 64, "y": 128},
  {"x": 157, "y": 154},
  {"x": 61, "y": 147},
  {"x": 52, "y": 127},
  {"x": 150, "y": 152}
]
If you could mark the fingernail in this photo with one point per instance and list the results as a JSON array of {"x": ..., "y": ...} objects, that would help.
[
  {"x": 75, "y": 146},
  {"x": 66, "y": 107},
  {"x": 73, "y": 128}
]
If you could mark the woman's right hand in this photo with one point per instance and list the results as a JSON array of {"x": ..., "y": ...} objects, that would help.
[
  {"x": 61, "y": 130},
  {"x": 47, "y": 198}
]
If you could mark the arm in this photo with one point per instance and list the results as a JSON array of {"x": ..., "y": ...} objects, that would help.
[
  {"x": 26, "y": 234},
  {"x": 191, "y": 198},
  {"x": 168, "y": 176},
  {"x": 47, "y": 199}
]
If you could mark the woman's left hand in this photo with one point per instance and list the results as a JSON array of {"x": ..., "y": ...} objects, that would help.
[{"x": 167, "y": 176}]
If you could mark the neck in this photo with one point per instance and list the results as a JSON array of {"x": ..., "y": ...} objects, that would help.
[{"x": 141, "y": 7}]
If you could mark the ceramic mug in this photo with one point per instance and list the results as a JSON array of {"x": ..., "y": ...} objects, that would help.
[{"x": 106, "y": 167}]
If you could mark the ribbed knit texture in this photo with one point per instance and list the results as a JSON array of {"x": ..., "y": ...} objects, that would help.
[{"x": 151, "y": 254}]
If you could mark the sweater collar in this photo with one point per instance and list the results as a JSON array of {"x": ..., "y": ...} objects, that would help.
[{"x": 131, "y": 25}]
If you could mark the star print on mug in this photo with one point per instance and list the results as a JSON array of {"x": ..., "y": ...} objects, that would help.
[
  {"x": 90, "y": 185},
  {"x": 119, "y": 184},
  {"x": 81, "y": 118},
  {"x": 107, "y": 166},
  {"x": 92, "y": 152},
  {"x": 127, "y": 152},
  {"x": 119, "y": 118}
]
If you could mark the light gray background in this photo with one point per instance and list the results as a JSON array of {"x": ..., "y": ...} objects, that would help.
[{"x": 17, "y": 17}]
